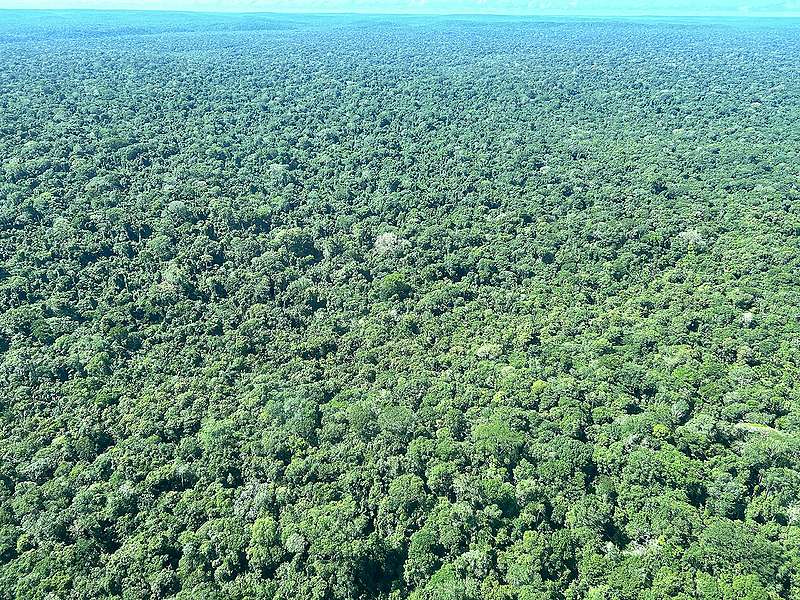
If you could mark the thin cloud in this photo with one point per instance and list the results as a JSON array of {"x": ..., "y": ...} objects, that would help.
[{"x": 528, "y": 7}]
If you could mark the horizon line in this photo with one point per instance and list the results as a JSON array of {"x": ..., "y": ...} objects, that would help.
[{"x": 728, "y": 15}]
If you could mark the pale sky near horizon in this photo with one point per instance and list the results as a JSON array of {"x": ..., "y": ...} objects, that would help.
[{"x": 532, "y": 7}]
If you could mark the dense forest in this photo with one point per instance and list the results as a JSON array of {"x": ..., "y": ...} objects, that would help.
[{"x": 381, "y": 308}]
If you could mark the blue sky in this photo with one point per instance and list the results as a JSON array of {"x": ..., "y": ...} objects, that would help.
[{"x": 546, "y": 7}]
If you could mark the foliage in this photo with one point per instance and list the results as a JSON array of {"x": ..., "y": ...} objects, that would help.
[{"x": 398, "y": 308}]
